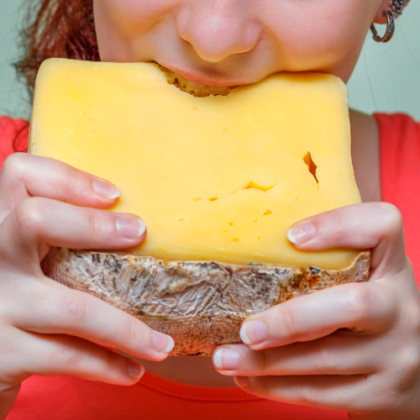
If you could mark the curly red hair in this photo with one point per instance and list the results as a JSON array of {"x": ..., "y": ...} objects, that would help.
[{"x": 57, "y": 28}]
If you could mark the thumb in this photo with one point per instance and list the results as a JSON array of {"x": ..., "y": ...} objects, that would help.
[{"x": 376, "y": 226}]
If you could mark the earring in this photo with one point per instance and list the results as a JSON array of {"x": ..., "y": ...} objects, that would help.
[{"x": 397, "y": 7}]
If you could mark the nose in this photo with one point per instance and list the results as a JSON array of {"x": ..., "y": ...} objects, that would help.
[{"x": 217, "y": 29}]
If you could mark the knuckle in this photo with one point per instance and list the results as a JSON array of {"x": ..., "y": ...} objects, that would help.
[
  {"x": 338, "y": 229},
  {"x": 290, "y": 322},
  {"x": 95, "y": 224},
  {"x": 358, "y": 303},
  {"x": 260, "y": 385},
  {"x": 338, "y": 226},
  {"x": 130, "y": 332},
  {"x": 74, "y": 310},
  {"x": 15, "y": 166},
  {"x": 29, "y": 216},
  {"x": 325, "y": 362},
  {"x": 307, "y": 395},
  {"x": 73, "y": 179},
  {"x": 265, "y": 361},
  {"x": 72, "y": 358},
  {"x": 411, "y": 317},
  {"x": 408, "y": 368},
  {"x": 110, "y": 364},
  {"x": 393, "y": 217}
]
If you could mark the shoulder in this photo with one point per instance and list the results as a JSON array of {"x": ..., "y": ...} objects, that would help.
[
  {"x": 385, "y": 148},
  {"x": 397, "y": 128},
  {"x": 390, "y": 127},
  {"x": 400, "y": 156},
  {"x": 13, "y": 136},
  {"x": 399, "y": 143}
]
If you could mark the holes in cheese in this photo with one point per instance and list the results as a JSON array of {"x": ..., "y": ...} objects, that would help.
[
  {"x": 256, "y": 186},
  {"x": 311, "y": 165},
  {"x": 141, "y": 125}
]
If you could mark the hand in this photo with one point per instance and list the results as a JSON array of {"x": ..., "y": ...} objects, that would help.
[
  {"x": 46, "y": 328},
  {"x": 354, "y": 347}
]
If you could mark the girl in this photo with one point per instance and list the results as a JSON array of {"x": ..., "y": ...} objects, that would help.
[{"x": 351, "y": 349}]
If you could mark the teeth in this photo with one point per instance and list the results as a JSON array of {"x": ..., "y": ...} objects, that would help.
[{"x": 193, "y": 88}]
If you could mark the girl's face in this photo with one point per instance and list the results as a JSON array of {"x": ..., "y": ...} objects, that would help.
[{"x": 236, "y": 42}]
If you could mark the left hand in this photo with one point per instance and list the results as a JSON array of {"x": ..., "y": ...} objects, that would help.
[{"x": 354, "y": 347}]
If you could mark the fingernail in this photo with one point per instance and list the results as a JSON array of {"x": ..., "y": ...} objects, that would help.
[
  {"x": 241, "y": 381},
  {"x": 162, "y": 343},
  {"x": 253, "y": 332},
  {"x": 226, "y": 359},
  {"x": 105, "y": 189},
  {"x": 300, "y": 234},
  {"x": 134, "y": 370},
  {"x": 130, "y": 227}
]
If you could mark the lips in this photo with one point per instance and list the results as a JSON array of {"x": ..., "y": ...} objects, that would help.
[{"x": 193, "y": 88}]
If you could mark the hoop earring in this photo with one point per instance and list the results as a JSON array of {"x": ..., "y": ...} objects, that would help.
[
  {"x": 397, "y": 7},
  {"x": 390, "y": 28}
]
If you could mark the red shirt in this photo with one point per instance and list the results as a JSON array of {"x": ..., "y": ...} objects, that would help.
[{"x": 67, "y": 398}]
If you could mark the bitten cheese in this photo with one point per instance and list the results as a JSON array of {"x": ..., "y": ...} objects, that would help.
[{"x": 218, "y": 178}]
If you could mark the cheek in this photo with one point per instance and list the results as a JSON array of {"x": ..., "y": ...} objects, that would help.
[
  {"x": 128, "y": 17},
  {"x": 320, "y": 34}
]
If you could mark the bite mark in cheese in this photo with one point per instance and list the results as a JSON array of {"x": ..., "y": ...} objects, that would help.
[{"x": 218, "y": 178}]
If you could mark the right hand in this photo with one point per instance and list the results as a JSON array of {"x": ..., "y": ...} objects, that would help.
[{"x": 46, "y": 328}]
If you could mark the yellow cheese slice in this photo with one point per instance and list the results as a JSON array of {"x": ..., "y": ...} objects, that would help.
[{"x": 219, "y": 178}]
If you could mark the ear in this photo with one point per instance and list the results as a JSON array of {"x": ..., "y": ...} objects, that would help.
[{"x": 380, "y": 14}]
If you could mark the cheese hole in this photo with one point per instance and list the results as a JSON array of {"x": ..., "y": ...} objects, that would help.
[
  {"x": 259, "y": 237},
  {"x": 196, "y": 199},
  {"x": 230, "y": 223},
  {"x": 213, "y": 198},
  {"x": 256, "y": 220},
  {"x": 181, "y": 219},
  {"x": 311, "y": 165},
  {"x": 235, "y": 239},
  {"x": 267, "y": 212},
  {"x": 255, "y": 186}
]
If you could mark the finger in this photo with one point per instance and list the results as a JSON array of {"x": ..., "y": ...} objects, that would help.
[
  {"x": 49, "y": 309},
  {"x": 376, "y": 226},
  {"x": 36, "y": 224},
  {"x": 357, "y": 306},
  {"x": 24, "y": 176},
  {"x": 63, "y": 355},
  {"x": 334, "y": 392},
  {"x": 333, "y": 355}
]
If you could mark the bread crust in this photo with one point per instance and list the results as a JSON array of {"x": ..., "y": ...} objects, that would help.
[{"x": 200, "y": 304}]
